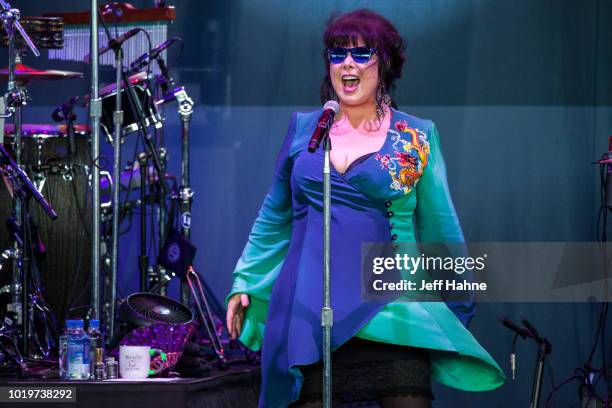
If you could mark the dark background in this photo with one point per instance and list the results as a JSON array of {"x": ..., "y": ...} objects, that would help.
[{"x": 521, "y": 94}]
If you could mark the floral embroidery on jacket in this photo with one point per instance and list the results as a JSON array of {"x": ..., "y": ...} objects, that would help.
[{"x": 409, "y": 157}]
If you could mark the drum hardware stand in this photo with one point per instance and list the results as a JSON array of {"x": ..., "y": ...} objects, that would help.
[
  {"x": 5, "y": 256},
  {"x": 23, "y": 189},
  {"x": 106, "y": 264},
  {"x": 141, "y": 122},
  {"x": 157, "y": 272},
  {"x": 185, "y": 194},
  {"x": 160, "y": 274},
  {"x": 199, "y": 297},
  {"x": 10, "y": 19},
  {"x": 185, "y": 110},
  {"x": 118, "y": 123},
  {"x": 196, "y": 288},
  {"x": 95, "y": 113},
  {"x": 148, "y": 274},
  {"x": 143, "y": 259}
]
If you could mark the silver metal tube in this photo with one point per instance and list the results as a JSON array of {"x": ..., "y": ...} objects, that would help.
[
  {"x": 118, "y": 122},
  {"x": 327, "y": 316},
  {"x": 10, "y": 19},
  {"x": 95, "y": 109},
  {"x": 19, "y": 273},
  {"x": 185, "y": 105},
  {"x": 16, "y": 276}
]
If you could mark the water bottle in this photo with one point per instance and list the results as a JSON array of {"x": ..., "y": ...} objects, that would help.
[
  {"x": 63, "y": 350},
  {"x": 78, "y": 363},
  {"x": 96, "y": 349}
]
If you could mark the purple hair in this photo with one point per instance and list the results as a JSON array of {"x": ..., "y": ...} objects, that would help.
[{"x": 377, "y": 32}]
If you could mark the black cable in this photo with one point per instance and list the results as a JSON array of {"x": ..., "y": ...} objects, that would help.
[
  {"x": 180, "y": 53},
  {"x": 152, "y": 246},
  {"x": 131, "y": 164},
  {"x": 558, "y": 387},
  {"x": 101, "y": 162}
]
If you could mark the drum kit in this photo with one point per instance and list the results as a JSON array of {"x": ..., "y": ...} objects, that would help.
[{"x": 47, "y": 245}]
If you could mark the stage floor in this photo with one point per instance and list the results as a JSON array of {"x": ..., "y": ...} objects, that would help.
[{"x": 236, "y": 387}]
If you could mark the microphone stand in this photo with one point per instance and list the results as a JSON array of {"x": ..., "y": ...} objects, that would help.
[
  {"x": 327, "y": 315},
  {"x": 544, "y": 349}
]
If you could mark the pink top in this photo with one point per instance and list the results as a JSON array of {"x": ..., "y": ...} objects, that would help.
[{"x": 349, "y": 143}]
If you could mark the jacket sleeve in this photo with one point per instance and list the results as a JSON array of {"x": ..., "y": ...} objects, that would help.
[
  {"x": 266, "y": 248},
  {"x": 437, "y": 220}
]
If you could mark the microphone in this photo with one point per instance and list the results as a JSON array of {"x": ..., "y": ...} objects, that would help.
[
  {"x": 64, "y": 113},
  {"x": 532, "y": 330},
  {"x": 146, "y": 57},
  {"x": 517, "y": 329},
  {"x": 330, "y": 109},
  {"x": 115, "y": 42}
]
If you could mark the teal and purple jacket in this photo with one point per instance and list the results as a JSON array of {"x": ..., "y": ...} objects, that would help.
[{"x": 397, "y": 194}]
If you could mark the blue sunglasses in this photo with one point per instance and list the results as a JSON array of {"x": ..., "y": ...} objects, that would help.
[{"x": 360, "y": 55}]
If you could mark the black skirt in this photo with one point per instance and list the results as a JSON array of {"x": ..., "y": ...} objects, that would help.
[{"x": 364, "y": 370}]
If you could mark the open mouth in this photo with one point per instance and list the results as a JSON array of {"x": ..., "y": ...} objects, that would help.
[{"x": 350, "y": 82}]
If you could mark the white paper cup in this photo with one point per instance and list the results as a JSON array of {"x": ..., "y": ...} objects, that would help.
[{"x": 134, "y": 361}]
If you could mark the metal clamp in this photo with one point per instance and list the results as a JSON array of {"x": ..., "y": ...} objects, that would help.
[
  {"x": 185, "y": 103},
  {"x": 10, "y": 18},
  {"x": 95, "y": 108},
  {"x": 118, "y": 118},
  {"x": 327, "y": 317},
  {"x": 16, "y": 98},
  {"x": 186, "y": 194}
]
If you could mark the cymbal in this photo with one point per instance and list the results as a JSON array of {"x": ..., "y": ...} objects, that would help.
[{"x": 25, "y": 74}]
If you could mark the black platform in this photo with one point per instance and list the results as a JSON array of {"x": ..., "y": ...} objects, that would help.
[{"x": 238, "y": 387}]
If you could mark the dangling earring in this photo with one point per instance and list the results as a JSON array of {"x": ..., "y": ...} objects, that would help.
[
  {"x": 382, "y": 97},
  {"x": 387, "y": 99},
  {"x": 382, "y": 101}
]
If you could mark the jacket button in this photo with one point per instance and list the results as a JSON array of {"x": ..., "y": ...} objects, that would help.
[
  {"x": 395, "y": 247},
  {"x": 388, "y": 204},
  {"x": 391, "y": 225},
  {"x": 393, "y": 237},
  {"x": 389, "y": 214}
]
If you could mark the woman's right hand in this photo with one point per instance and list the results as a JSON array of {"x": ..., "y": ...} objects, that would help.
[{"x": 235, "y": 313}]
